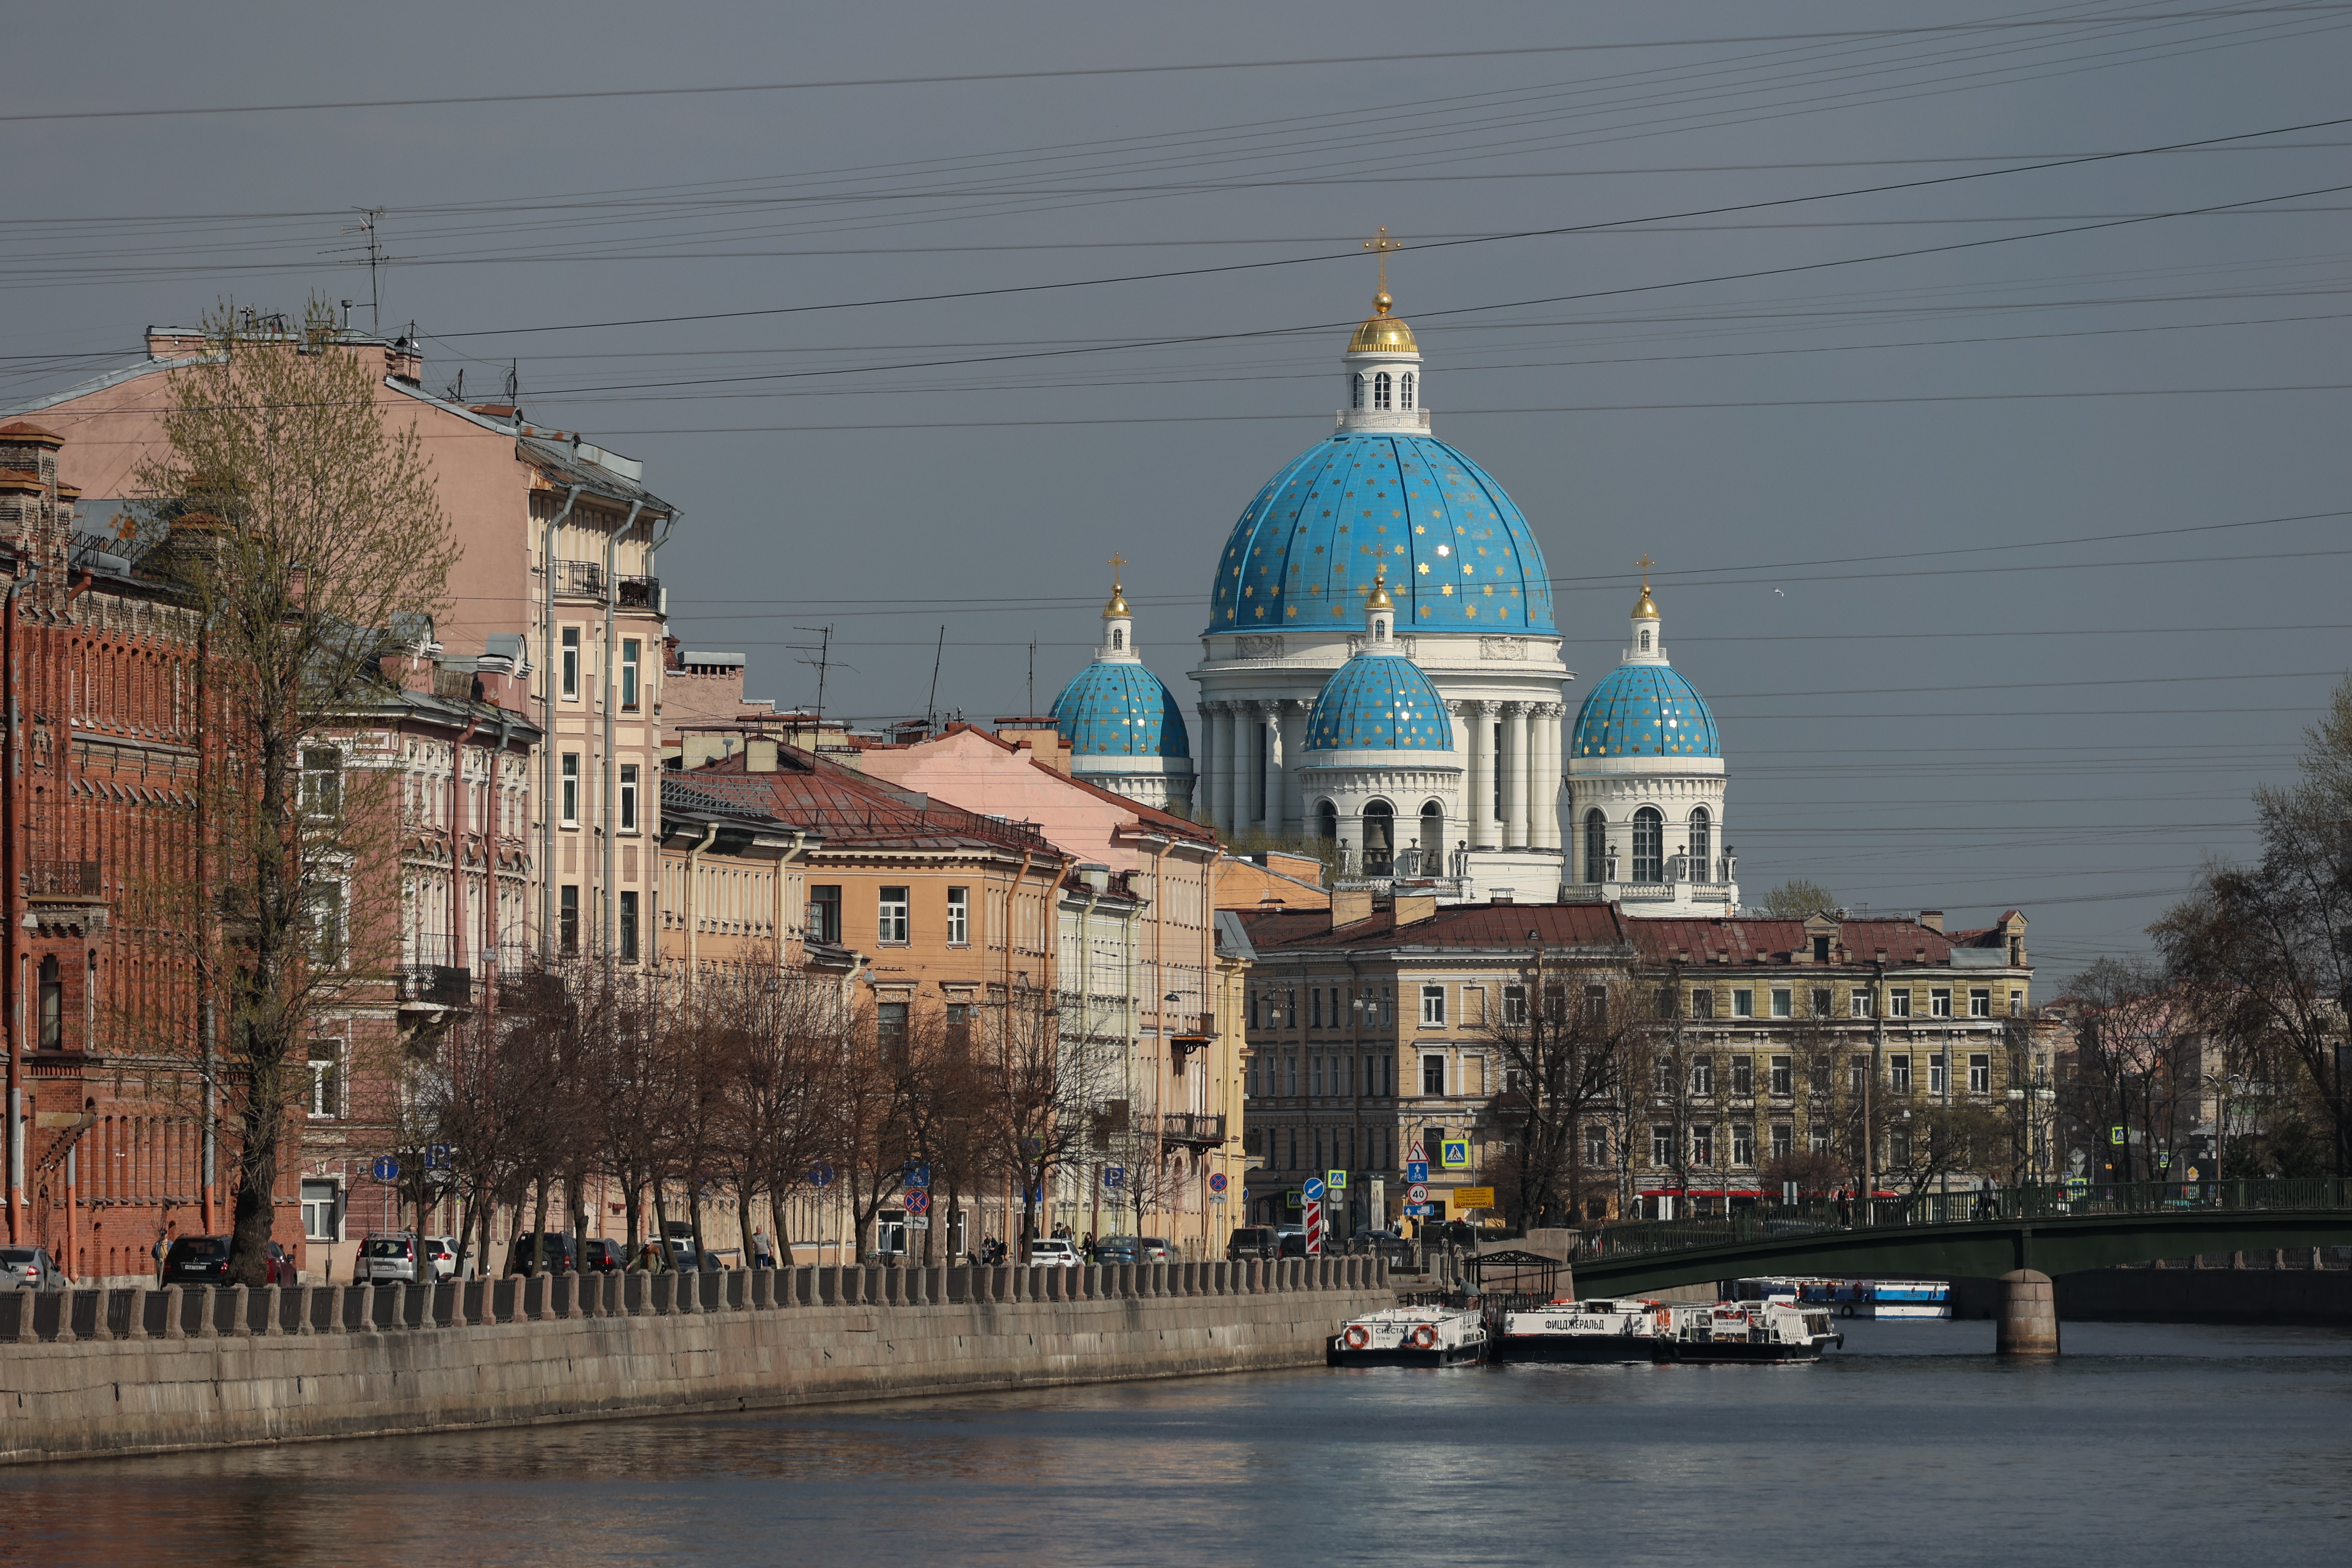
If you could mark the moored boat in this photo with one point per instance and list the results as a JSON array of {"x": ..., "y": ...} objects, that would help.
[
  {"x": 1410, "y": 1336},
  {"x": 1776, "y": 1330},
  {"x": 1584, "y": 1331}
]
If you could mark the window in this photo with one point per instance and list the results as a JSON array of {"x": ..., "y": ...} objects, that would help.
[
  {"x": 1433, "y": 1006},
  {"x": 1702, "y": 845},
  {"x": 1596, "y": 847},
  {"x": 628, "y": 798},
  {"x": 629, "y": 675},
  {"x": 959, "y": 1026},
  {"x": 1662, "y": 1004},
  {"x": 891, "y": 923},
  {"x": 1702, "y": 1003},
  {"x": 1433, "y": 1075},
  {"x": 1596, "y": 1144},
  {"x": 1743, "y": 1143},
  {"x": 1355, "y": 391},
  {"x": 1939, "y": 1002},
  {"x": 890, "y": 1024},
  {"x": 1314, "y": 1007},
  {"x": 1388, "y": 1005},
  {"x": 1662, "y": 1076},
  {"x": 567, "y": 919},
  {"x": 1596, "y": 1004},
  {"x": 1703, "y": 1143},
  {"x": 891, "y": 1233},
  {"x": 1898, "y": 1146},
  {"x": 1381, "y": 390},
  {"x": 1404, "y": 392},
  {"x": 1824, "y": 1001},
  {"x": 824, "y": 914},
  {"x": 1702, "y": 1075},
  {"x": 1117, "y": 639},
  {"x": 1979, "y": 1074},
  {"x": 959, "y": 917},
  {"x": 1817, "y": 1075},
  {"x": 1743, "y": 1075},
  {"x": 322, "y": 782},
  {"x": 2017, "y": 1004},
  {"x": 322, "y": 1212},
  {"x": 326, "y": 1078},
  {"x": 1645, "y": 639},
  {"x": 628, "y": 926},
  {"x": 1252, "y": 1010},
  {"x": 1936, "y": 1073},
  {"x": 572, "y": 662},
  {"x": 327, "y": 924},
  {"x": 1290, "y": 1076},
  {"x": 1858, "y": 1074},
  {"x": 572, "y": 789},
  {"x": 1386, "y": 1066},
  {"x": 1817, "y": 1139},
  {"x": 1980, "y": 1003},
  {"x": 1898, "y": 1074},
  {"x": 1315, "y": 1076},
  {"x": 1859, "y": 1002},
  {"x": 1821, "y": 950},
  {"x": 1662, "y": 1145},
  {"x": 1743, "y": 1004},
  {"x": 1784, "y": 1006},
  {"x": 53, "y": 1005},
  {"x": 1649, "y": 846},
  {"x": 1898, "y": 1003}
]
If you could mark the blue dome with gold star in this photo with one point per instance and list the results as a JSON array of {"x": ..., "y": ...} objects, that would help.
[
  {"x": 1117, "y": 708},
  {"x": 1644, "y": 710},
  {"x": 1379, "y": 702},
  {"x": 1460, "y": 556}
]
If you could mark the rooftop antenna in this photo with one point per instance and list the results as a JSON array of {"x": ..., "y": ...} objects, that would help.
[
  {"x": 931, "y": 706},
  {"x": 1032, "y": 674},
  {"x": 514, "y": 381},
  {"x": 823, "y": 662},
  {"x": 369, "y": 218}
]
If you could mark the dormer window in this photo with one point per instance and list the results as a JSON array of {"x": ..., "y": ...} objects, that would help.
[
  {"x": 1380, "y": 391},
  {"x": 1404, "y": 392}
]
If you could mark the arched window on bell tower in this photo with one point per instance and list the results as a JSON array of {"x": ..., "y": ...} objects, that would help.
[
  {"x": 1649, "y": 844},
  {"x": 1380, "y": 392},
  {"x": 1356, "y": 390},
  {"x": 1596, "y": 845},
  {"x": 1404, "y": 392}
]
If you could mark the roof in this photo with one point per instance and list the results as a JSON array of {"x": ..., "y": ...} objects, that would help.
[
  {"x": 1379, "y": 702},
  {"x": 1460, "y": 558},
  {"x": 1584, "y": 925},
  {"x": 1644, "y": 710},
  {"x": 854, "y": 812},
  {"x": 1117, "y": 708},
  {"x": 1744, "y": 941},
  {"x": 565, "y": 466},
  {"x": 1233, "y": 937}
]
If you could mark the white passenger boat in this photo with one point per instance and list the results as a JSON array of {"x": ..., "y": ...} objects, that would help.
[
  {"x": 1776, "y": 1330},
  {"x": 1410, "y": 1336},
  {"x": 1624, "y": 1330}
]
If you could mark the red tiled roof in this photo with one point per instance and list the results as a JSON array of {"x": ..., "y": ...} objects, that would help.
[
  {"x": 854, "y": 812},
  {"x": 1453, "y": 925},
  {"x": 22, "y": 430},
  {"x": 1772, "y": 941}
]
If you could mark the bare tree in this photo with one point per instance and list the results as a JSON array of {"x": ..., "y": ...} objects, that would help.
[
  {"x": 1796, "y": 899},
  {"x": 1038, "y": 1094},
  {"x": 304, "y": 532},
  {"x": 1567, "y": 1036}
]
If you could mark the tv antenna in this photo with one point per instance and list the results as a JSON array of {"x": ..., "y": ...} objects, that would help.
[
  {"x": 824, "y": 661},
  {"x": 369, "y": 220},
  {"x": 1032, "y": 674},
  {"x": 931, "y": 706}
]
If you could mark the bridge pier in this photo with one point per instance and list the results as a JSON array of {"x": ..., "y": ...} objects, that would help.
[{"x": 2025, "y": 1314}]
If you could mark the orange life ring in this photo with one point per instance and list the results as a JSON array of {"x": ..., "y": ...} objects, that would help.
[
  {"x": 1357, "y": 1336},
  {"x": 1424, "y": 1337},
  {"x": 1661, "y": 1318}
]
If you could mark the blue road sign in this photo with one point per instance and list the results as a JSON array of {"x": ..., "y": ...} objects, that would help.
[
  {"x": 1312, "y": 1190},
  {"x": 820, "y": 1175},
  {"x": 1114, "y": 1175},
  {"x": 1418, "y": 1211},
  {"x": 387, "y": 1169},
  {"x": 1416, "y": 1170},
  {"x": 437, "y": 1157},
  {"x": 918, "y": 1175}
]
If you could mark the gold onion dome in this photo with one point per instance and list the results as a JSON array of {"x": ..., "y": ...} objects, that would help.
[
  {"x": 1117, "y": 605},
  {"x": 1380, "y": 599},
  {"x": 1382, "y": 332}
]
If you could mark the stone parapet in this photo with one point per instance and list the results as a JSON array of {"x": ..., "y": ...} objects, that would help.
[{"x": 146, "y": 1371}]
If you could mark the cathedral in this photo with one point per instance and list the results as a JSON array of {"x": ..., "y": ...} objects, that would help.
[{"x": 1382, "y": 670}]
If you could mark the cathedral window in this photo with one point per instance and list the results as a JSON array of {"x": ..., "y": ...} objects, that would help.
[
  {"x": 1404, "y": 392},
  {"x": 1117, "y": 641},
  {"x": 1702, "y": 844},
  {"x": 1380, "y": 824},
  {"x": 1649, "y": 846},
  {"x": 1596, "y": 845},
  {"x": 1327, "y": 822},
  {"x": 1380, "y": 391},
  {"x": 1645, "y": 640},
  {"x": 1355, "y": 391}
]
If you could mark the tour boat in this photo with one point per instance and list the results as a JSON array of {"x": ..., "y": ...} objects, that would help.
[
  {"x": 1624, "y": 1330},
  {"x": 1774, "y": 1331},
  {"x": 1410, "y": 1336},
  {"x": 1879, "y": 1298}
]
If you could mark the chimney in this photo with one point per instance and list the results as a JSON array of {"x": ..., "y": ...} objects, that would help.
[
  {"x": 760, "y": 755},
  {"x": 1932, "y": 919},
  {"x": 1350, "y": 905},
  {"x": 1415, "y": 907}
]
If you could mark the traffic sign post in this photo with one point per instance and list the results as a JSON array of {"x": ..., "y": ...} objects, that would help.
[
  {"x": 387, "y": 1169},
  {"x": 1314, "y": 1226},
  {"x": 1416, "y": 1193},
  {"x": 918, "y": 1175},
  {"x": 1114, "y": 1176},
  {"x": 1453, "y": 1154},
  {"x": 1217, "y": 1182},
  {"x": 917, "y": 1200},
  {"x": 1337, "y": 1180},
  {"x": 820, "y": 1175},
  {"x": 1416, "y": 1153},
  {"x": 1416, "y": 1170},
  {"x": 1313, "y": 1189}
]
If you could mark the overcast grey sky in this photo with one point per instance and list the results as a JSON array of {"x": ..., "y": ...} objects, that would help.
[{"x": 1853, "y": 472}]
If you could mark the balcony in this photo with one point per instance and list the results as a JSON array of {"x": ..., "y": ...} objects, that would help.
[
  {"x": 1194, "y": 1130},
  {"x": 580, "y": 579},
  {"x": 66, "y": 896},
  {"x": 435, "y": 987},
  {"x": 638, "y": 592}
]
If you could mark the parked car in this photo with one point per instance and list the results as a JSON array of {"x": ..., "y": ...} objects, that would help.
[
  {"x": 1155, "y": 1249},
  {"x": 30, "y": 1269},
  {"x": 1054, "y": 1252},
  {"x": 1249, "y": 1241},
  {"x": 389, "y": 1254},
  {"x": 1292, "y": 1242},
  {"x": 197, "y": 1260},
  {"x": 559, "y": 1255},
  {"x": 441, "y": 1252},
  {"x": 1378, "y": 1243},
  {"x": 1115, "y": 1249},
  {"x": 601, "y": 1254},
  {"x": 279, "y": 1270}
]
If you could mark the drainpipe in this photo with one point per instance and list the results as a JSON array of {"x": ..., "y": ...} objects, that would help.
[
  {"x": 609, "y": 683},
  {"x": 11, "y": 878},
  {"x": 547, "y": 741}
]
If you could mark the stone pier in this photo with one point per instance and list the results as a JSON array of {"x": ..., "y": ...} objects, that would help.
[{"x": 2025, "y": 1314}]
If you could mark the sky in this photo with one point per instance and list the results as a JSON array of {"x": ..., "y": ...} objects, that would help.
[{"x": 1987, "y": 433}]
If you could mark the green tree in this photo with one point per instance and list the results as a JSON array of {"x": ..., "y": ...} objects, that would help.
[{"x": 1795, "y": 899}]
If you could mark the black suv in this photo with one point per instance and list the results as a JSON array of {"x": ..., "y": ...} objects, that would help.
[
  {"x": 1253, "y": 1241},
  {"x": 601, "y": 1254},
  {"x": 197, "y": 1260},
  {"x": 560, "y": 1257}
]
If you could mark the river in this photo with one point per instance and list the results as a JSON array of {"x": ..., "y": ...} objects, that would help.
[{"x": 2143, "y": 1444}]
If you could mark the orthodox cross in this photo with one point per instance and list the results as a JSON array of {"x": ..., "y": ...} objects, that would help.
[
  {"x": 1116, "y": 561},
  {"x": 1646, "y": 564},
  {"x": 1380, "y": 244}
]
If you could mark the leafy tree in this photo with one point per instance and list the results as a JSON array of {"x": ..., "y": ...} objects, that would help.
[{"x": 1795, "y": 899}]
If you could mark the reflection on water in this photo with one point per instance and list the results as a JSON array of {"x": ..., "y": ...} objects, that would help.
[{"x": 2142, "y": 1443}]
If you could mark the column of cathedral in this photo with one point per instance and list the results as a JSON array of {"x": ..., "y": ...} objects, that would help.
[
  {"x": 1294, "y": 748},
  {"x": 1240, "y": 753}
]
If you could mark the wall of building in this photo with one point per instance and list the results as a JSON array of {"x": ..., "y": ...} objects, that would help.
[{"x": 848, "y": 1335}]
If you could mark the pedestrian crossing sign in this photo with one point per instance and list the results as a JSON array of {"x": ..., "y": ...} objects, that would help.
[{"x": 1453, "y": 1154}]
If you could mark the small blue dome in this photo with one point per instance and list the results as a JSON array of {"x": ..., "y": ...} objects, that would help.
[
  {"x": 1379, "y": 702},
  {"x": 1460, "y": 556},
  {"x": 1644, "y": 710},
  {"x": 1120, "y": 709}
]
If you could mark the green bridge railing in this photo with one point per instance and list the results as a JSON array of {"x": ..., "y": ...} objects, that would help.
[{"x": 2003, "y": 1206}]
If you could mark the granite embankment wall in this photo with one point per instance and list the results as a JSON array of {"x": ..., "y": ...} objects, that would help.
[{"x": 138, "y": 1370}]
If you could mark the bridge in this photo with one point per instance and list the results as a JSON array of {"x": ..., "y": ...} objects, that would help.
[{"x": 2048, "y": 1229}]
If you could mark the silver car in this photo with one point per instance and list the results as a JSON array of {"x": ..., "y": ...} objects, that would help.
[
  {"x": 1053, "y": 1252},
  {"x": 392, "y": 1255},
  {"x": 30, "y": 1269}
]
